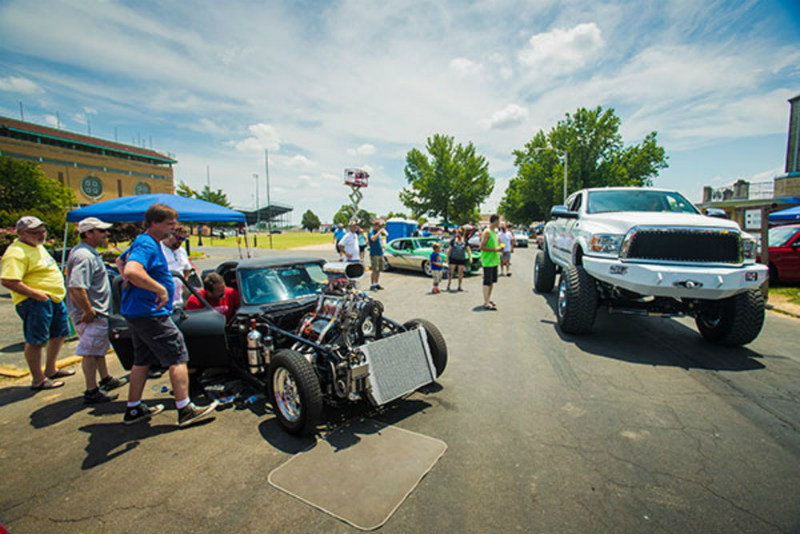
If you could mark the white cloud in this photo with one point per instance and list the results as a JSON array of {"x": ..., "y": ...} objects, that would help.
[
  {"x": 89, "y": 111},
  {"x": 265, "y": 137},
  {"x": 52, "y": 120},
  {"x": 364, "y": 150},
  {"x": 562, "y": 51},
  {"x": 509, "y": 116},
  {"x": 300, "y": 162},
  {"x": 18, "y": 84},
  {"x": 465, "y": 67},
  {"x": 80, "y": 118}
]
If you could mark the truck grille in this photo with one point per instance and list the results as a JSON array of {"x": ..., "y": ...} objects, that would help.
[
  {"x": 398, "y": 365},
  {"x": 683, "y": 245}
]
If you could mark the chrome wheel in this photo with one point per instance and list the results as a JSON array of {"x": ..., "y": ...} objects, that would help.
[
  {"x": 562, "y": 297},
  {"x": 287, "y": 398},
  {"x": 426, "y": 268}
]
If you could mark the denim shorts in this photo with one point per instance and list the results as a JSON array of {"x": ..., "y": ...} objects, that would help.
[{"x": 43, "y": 320}]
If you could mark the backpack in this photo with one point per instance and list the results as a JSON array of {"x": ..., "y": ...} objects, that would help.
[{"x": 458, "y": 252}]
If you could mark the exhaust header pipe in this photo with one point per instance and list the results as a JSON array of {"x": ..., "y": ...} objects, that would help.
[{"x": 351, "y": 270}]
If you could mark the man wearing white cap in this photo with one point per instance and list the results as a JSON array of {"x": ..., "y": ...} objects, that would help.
[
  {"x": 89, "y": 303},
  {"x": 37, "y": 291}
]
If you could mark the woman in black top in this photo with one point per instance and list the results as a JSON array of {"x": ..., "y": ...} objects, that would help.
[{"x": 458, "y": 256}]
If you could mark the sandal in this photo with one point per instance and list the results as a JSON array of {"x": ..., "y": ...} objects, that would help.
[
  {"x": 489, "y": 307},
  {"x": 47, "y": 384},
  {"x": 62, "y": 373}
]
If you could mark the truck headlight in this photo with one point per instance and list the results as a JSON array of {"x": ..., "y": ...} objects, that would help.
[
  {"x": 606, "y": 243},
  {"x": 749, "y": 248}
]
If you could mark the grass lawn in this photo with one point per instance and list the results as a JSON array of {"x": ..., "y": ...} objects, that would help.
[
  {"x": 282, "y": 241},
  {"x": 792, "y": 292}
]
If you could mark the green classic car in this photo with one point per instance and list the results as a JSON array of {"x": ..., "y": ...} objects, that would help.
[{"x": 414, "y": 253}]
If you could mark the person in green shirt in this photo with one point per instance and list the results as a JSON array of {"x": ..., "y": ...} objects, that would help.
[{"x": 490, "y": 259}]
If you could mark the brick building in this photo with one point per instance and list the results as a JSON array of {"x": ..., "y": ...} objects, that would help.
[{"x": 95, "y": 169}]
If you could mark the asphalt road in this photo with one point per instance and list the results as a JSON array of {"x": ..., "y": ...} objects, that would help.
[{"x": 642, "y": 426}]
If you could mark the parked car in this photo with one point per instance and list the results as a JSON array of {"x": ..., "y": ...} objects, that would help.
[
  {"x": 303, "y": 334},
  {"x": 650, "y": 251},
  {"x": 520, "y": 240},
  {"x": 784, "y": 254},
  {"x": 412, "y": 253}
]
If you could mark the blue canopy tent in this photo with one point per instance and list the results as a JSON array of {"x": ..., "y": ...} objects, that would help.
[
  {"x": 133, "y": 208},
  {"x": 785, "y": 216}
]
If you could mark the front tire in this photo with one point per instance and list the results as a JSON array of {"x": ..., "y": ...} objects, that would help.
[
  {"x": 435, "y": 342},
  {"x": 294, "y": 392},
  {"x": 577, "y": 301},
  {"x": 734, "y": 321},
  {"x": 544, "y": 273}
]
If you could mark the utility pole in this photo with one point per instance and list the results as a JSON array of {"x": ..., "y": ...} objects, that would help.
[
  {"x": 269, "y": 204},
  {"x": 258, "y": 213},
  {"x": 21, "y": 112}
]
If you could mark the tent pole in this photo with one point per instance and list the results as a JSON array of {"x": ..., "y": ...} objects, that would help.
[{"x": 64, "y": 246}]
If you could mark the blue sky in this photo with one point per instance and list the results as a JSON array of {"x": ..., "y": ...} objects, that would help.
[{"x": 329, "y": 85}]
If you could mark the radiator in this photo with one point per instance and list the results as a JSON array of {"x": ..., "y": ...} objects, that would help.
[{"x": 398, "y": 365}]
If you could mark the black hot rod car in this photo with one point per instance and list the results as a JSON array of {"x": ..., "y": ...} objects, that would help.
[{"x": 304, "y": 334}]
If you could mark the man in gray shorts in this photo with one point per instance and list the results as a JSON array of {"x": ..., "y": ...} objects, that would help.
[
  {"x": 147, "y": 307},
  {"x": 89, "y": 303}
]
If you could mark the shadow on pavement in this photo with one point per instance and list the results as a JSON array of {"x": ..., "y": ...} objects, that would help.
[
  {"x": 14, "y": 347},
  {"x": 111, "y": 440},
  {"x": 13, "y": 394},
  {"x": 656, "y": 341}
]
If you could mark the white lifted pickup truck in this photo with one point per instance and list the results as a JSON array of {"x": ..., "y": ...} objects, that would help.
[{"x": 650, "y": 252}]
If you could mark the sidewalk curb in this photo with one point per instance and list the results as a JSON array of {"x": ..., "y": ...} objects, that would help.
[
  {"x": 20, "y": 373},
  {"x": 782, "y": 311}
]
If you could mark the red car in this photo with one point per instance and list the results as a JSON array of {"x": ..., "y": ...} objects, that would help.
[{"x": 784, "y": 253}]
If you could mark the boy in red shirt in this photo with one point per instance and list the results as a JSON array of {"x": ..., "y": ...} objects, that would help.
[{"x": 224, "y": 300}]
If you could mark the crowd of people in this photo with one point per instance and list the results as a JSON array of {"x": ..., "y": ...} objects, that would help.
[
  {"x": 46, "y": 300},
  {"x": 496, "y": 246}
]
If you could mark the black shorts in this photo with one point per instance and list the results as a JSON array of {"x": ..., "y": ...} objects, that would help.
[
  {"x": 489, "y": 275},
  {"x": 454, "y": 261},
  {"x": 157, "y": 341}
]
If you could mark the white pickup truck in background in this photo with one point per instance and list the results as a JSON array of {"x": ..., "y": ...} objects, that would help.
[{"x": 650, "y": 252}]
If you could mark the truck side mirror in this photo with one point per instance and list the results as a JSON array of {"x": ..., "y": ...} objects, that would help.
[{"x": 563, "y": 212}]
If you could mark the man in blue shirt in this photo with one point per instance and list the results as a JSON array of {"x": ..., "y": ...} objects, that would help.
[
  {"x": 338, "y": 234},
  {"x": 376, "y": 254},
  {"x": 147, "y": 307}
]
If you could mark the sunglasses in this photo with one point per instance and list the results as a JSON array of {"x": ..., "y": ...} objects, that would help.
[
  {"x": 180, "y": 238},
  {"x": 40, "y": 231},
  {"x": 101, "y": 231}
]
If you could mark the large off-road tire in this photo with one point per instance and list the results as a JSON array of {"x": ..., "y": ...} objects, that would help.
[
  {"x": 435, "y": 342},
  {"x": 736, "y": 320},
  {"x": 544, "y": 273},
  {"x": 577, "y": 301},
  {"x": 294, "y": 392}
]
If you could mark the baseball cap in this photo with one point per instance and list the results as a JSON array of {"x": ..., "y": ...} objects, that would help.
[
  {"x": 90, "y": 223},
  {"x": 29, "y": 222}
]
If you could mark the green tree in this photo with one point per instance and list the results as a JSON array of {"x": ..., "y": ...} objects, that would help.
[
  {"x": 310, "y": 221},
  {"x": 345, "y": 214},
  {"x": 596, "y": 158},
  {"x": 26, "y": 190},
  {"x": 217, "y": 197},
  {"x": 450, "y": 185},
  {"x": 184, "y": 190},
  {"x": 398, "y": 215}
]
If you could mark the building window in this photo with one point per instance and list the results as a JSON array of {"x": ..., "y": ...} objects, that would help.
[
  {"x": 142, "y": 189},
  {"x": 61, "y": 178},
  {"x": 92, "y": 187}
]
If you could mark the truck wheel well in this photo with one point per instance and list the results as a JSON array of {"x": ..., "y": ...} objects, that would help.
[{"x": 578, "y": 261}]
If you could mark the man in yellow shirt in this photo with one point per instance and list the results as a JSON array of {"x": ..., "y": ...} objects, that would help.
[{"x": 37, "y": 289}]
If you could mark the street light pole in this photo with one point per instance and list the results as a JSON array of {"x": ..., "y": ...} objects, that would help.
[
  {"x": 258, "y": 213},
  {"x": 269, "y": 206}
]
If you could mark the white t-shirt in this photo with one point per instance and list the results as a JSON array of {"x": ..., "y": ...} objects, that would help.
[
  {"x": 506, "y": 238},
  {"x": 350, "y": 244},
  {"x": 177, "y": 260}
]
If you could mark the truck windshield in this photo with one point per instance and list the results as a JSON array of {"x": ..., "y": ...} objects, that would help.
[
  {"x": 638, "y": 200},
  {"x": 276, "y": 284}
]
